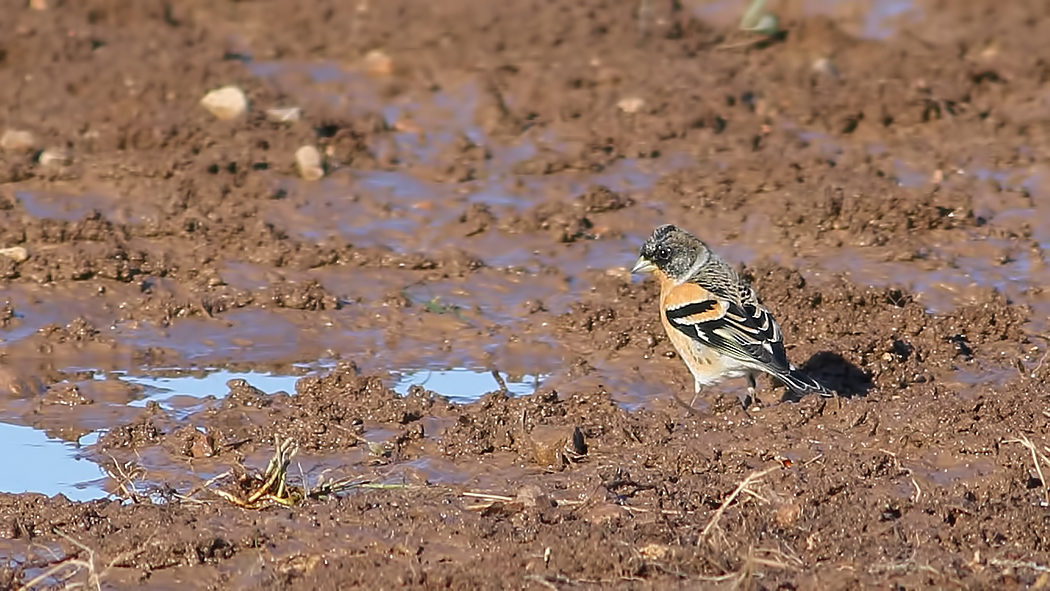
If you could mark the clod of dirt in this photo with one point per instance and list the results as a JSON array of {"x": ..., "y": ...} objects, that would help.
[
  {"x": 561, "y": 221},
  {"x": 306, "y": 296},
  {"x": 140, "y": 433},
  {"x": 241, "y": 393},
  {"x": 65, "y": 394},
  {"x": 534, "y": 496},
  {"x": 476, "y": 219},
  {"x": 498, "y": 422},
  {"x": 7, "y": 318},
  {"x": 325, "y": 413},
  {"x": 345, "y": 397},
  {"x": 190, "y": 441},
  {"x": 80, "y": 330},
  {"x": 228, "y": 102},
  {"x": 600, "y": 199},
  {"x": 555, "y": 447}
]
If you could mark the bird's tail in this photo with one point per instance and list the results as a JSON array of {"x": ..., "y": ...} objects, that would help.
[{"x": 800, "y": 384}]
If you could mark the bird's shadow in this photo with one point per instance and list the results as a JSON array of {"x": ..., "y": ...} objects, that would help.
[{"x": 836, "y": 373}]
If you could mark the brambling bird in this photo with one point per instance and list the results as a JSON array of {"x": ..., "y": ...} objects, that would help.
[{"x": 713, "y": 317}]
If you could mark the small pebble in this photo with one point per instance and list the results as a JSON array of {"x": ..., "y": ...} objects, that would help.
[
  {"x": 379, "y": 63},
  {"x": 16, "y": 140},
  {"x": 768, "y": 25},
  {"x": 826, "y": 66},
  {"x": 38, "y": 4},
  {"x": 228, "y": 102},
  {"x": 311, "y": 166},
  {"x": 653, "y": 551},
  {"x": 990, "y": 51},
  {"x": 55, "y": 157},
  {"x": 284, "y": 114},
  {"x": 631, "y": 104},
  {"x": 17, "y": 254}
]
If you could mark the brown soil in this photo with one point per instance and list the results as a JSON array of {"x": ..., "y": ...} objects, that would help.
[{"x": 492, "y": 168}]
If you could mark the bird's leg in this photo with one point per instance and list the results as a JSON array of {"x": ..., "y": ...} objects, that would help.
[
  {"x": 696, "y": 392},
  {"x": 752, "y": 392},
  {"x": 688, "y": 407},
  {"x": 645, "y": 16}
]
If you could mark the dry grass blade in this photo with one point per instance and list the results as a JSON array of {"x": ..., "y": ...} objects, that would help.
[
  {"x": 1019, "y": 564},
  {"x": 276, "y": 471},
  {"x": 52, "y": 572},
  {"x": 272, "y": 487},
  {"x": 753, "y": 560},
  {"x": 743, "y": 487},
  {"x": 203, "y": 486},
  {"x": 94, "y": 576},
  {"x": 1038, "y": 459},
  {"x": 776, "y": 558},
  {"x": 492, "y": 502},
  {"x": 488, "y": 497},
  {"x": 125, "y": 475}
]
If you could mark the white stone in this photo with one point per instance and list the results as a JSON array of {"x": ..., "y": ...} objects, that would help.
[
  {"x": 55, "y": 157},
  {"x": 310, "y": 163},
  {"x": 377, "y": 62},
  {"x": 284, "y": 114},
  {"x": 16, "y": 253},
  {"x": 17, "y": 140},
  {"x": 631, "y": 104},
  {"x": 228, "y": 102}
]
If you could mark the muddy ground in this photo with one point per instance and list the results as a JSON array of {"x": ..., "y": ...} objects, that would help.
[{"x": 879, "y": 173}]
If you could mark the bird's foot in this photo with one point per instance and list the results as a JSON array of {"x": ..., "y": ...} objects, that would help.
[
  {"x": 751, "y": 401},
  {"x": 687, "y": 406}
]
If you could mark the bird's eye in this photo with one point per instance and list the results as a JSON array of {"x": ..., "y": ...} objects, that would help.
[{"x": 663, "y": 253}]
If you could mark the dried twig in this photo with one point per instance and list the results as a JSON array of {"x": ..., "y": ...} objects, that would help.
[
  {"x": 1036, "y": 457},
  {"x": 1019, "y": 564},
  {"x": 203, "y": 486},
  {"x": 743, "y": 487},
  {"x": 54, "y": 570},
  {"x": 94, "y": 577},
  {"x": 1041, "y": 359},
  {"x": 756, "y": 557},
  {"x": 918, "y": 491},
  {"x": 125, "y": 475},
  {"x": 488, "y": 497}
]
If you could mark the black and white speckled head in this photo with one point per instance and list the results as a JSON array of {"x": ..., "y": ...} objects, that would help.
[{"x": 673, "y": 251}]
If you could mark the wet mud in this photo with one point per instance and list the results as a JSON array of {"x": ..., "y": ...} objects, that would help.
[{"x": 446, "y": 320}]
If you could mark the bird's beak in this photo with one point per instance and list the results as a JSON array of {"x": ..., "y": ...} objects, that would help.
[{"x": 643, "y": 266}]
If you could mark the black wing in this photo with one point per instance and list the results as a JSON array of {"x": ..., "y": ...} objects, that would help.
[{"x": 745, "y": 332}]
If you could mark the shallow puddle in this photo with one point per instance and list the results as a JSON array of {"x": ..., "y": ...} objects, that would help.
[
  {"x": 34, "y": 462},
  {"x": 466, "y": 385},
  {"x": 458, "y": 384},
  {"x": 48, "y": 465},
  {"x": 174, "y": 390}
]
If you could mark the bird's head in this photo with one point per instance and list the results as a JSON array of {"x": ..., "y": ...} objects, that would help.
[{"x": 672, "y": 251}]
